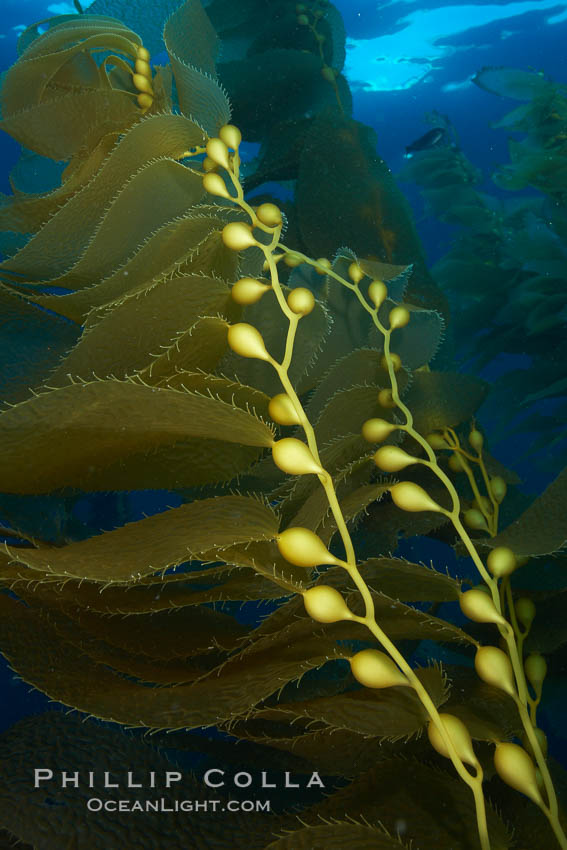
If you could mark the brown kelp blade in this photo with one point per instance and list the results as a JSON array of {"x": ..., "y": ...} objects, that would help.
[
  {"x": 68, "y": 437},
  {"x": 156, "y": 543}
]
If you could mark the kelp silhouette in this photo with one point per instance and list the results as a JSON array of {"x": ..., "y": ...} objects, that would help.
[
  {"x": 507, "y": 266},
  {"x": 151, "y": 259}
]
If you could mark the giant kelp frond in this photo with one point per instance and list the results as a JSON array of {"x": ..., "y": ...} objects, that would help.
[{"x": 159, "y": 374}]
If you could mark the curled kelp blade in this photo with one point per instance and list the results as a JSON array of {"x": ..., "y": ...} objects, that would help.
[
  {"x": 44, "y": 105},
  {"x": 192, "y": 58},
  {"x": 103, "y": 246},
  {"x": 36, "y": 77},
  {"x": 69, "y": 437},
  {"x": 59, "y": 128},
  {"x": 193, "y": 64},
  {"x": 73, "y": 225},
  {"x": 27, "y": 210}
]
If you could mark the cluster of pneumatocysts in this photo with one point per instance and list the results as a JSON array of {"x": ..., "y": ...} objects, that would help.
[
  {"x": 483, "y": 513},
  {"x": 142, "y": 78},
  {"x": 304, "y": 548}
]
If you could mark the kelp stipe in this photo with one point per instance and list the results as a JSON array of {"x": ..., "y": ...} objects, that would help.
[{"x": 303, "y": 548}]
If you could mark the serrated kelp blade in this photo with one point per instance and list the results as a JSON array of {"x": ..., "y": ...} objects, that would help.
[
  {"x": 145, "y": 324},
  {"x": 126, "y": 224},
  {"x": 188, "y": 463},
  {"x": 161, "y": 256},
  {"x": 337, "y": 458},
  {"x": 155, "y": 543},
  {"x": 91, "y": 251},
  {"x": 542, "y": 528},
  {"x": 488, "y": 712},
  {"x": 399, "y": 621},
  {"x": 336, "y": 836},
  {"x": 67, "y": 436},
  {"x": 231, "y": 392},
  {"x": 27, "y": 211},
  {"x": 359, "y": 367},
  {"x": 264, "y": 558},
  {"x": 164, "y": 669},
  {"x": 346, "y": 412},
  {"x": 315, "y": 509},
  {"x": 28, "y": 40},
  {"x": 353, "y": 506},
  {"x": 60, "y": 670},
  {"x": 193, "y": 64},
  {"x": 200, "y": 347},
  {"x": 45, "y": 37},
  {"x": 32, "y": 79},
  {"x": 403, "y": 580},
  {"x": 162, "y": 636},
  {"x": 393, "y": 713},
  {"x": 419, "y": 794},
  {"x": 157, "y": 592},
  {"x": 59, "y": 128},
  {"x": 418, "y": 342},
  {"x": 157, "y": 135}
]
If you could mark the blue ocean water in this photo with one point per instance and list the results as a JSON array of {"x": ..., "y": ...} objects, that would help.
[{"x": 405, "y": 60}]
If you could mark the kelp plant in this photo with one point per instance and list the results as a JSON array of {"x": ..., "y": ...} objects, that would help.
[
  {"x": 167, "y": 359},
  {"x": 303, "y": 548}
]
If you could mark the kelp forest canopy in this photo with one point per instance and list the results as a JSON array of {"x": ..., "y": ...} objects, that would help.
[{"x": 143, "y": 580}]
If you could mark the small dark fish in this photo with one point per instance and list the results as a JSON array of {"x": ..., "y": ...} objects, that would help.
[{"x": 429, "y": 140}]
